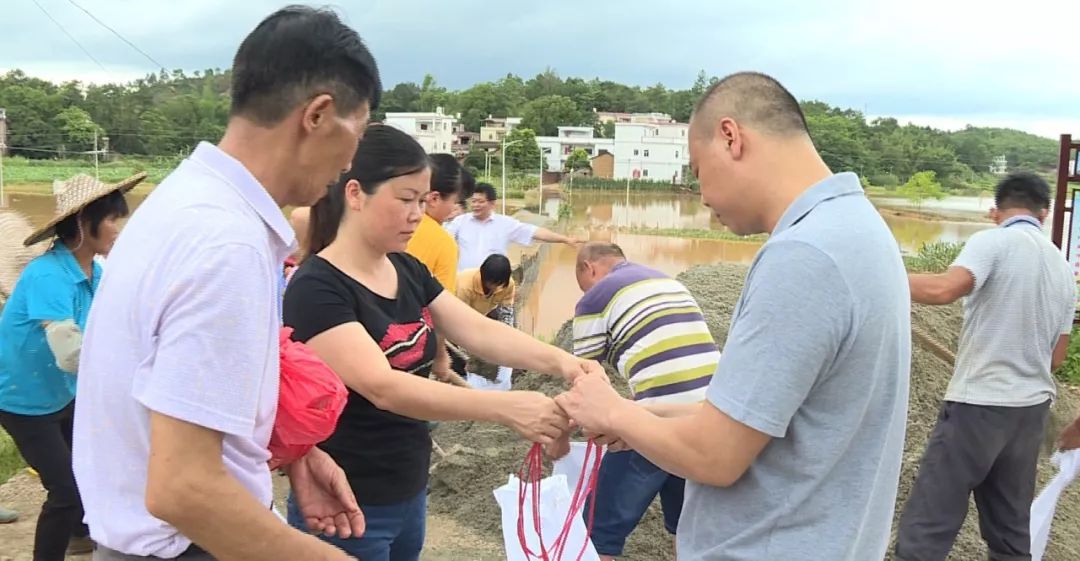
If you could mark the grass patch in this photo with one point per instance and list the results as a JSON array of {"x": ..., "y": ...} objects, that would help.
[
  {"x": 696, "y": 233},
  {"x": 10, "y": 460},
  {"x": 933, "y": 257},
  {"x": 25, "y": 171}
]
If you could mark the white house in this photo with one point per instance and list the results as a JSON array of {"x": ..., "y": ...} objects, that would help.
[
  {"x": 495, "y": 129},
  {"x": 557, "y": 149},
  {"x": 434, "y": 131},
  {"x": 651, "y": 151},
  {"x": 639, "y": 118}
]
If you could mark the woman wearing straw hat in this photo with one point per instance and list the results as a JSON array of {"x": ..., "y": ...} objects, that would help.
[{"x": 40, "y": 336}]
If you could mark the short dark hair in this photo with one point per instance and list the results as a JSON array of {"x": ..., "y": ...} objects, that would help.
[
  {"x": 1023, "y": 190},
  {"x": 753, "y": 99},
  {"x": 296, "y": 53},
  {"x": 383, "y": 154},
  {"x": 113, "y": 205},
  {"x": 487, "y": 190},
  {"x": 447, "y": 175},
  {"x": 495, "y": 270}
]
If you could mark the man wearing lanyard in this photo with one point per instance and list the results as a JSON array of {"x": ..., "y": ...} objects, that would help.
[{"x": 1018, "y": 313}]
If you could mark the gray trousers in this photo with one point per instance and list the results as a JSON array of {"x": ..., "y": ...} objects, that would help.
[
  {"x": 991, "y": 451},
  {"x": 192, "y": 554}
]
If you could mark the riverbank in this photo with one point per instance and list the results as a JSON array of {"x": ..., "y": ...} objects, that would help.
[{"x": 45, "y": 188}]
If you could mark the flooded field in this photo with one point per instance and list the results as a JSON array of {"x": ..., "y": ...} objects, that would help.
[{"x": 612, "y": 216}]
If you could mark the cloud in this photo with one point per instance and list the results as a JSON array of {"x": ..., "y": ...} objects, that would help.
[{"x": 981, "y": 62}]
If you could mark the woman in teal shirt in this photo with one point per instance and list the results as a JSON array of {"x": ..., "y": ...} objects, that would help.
[{"x": 40, "y": 338}]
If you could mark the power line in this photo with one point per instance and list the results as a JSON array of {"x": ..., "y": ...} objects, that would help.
[
  {"x": 73, "y": 40},
  {"x": 114, "y": 32}
]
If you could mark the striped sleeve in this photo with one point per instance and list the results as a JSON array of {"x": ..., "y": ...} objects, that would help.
[
  {"x": 590, "y": 337},
  {"x": 661, "y": 342}
]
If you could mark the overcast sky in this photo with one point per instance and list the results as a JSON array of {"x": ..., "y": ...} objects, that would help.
[{"x": 945, "y": 63}]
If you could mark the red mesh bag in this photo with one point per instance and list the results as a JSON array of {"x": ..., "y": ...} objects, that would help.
[{"x": 310, "y": 401}]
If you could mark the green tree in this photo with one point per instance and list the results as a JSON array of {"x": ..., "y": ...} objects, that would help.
[
  {"x": 921, "y": 187},
  {"x": 78, "y": 129},
  {"x": 546, "y": 114},
  {"x": 156, "y": 134},
  {"x": 578, "y": 159},
  {"x": 478, "y": 102},
  {"x": 524, "y": 154},
  {"x": 432, "y": 95}
]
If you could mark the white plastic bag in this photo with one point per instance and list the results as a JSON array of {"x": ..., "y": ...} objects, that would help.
[
  {"x": 570, "y": 464},
  {"x": 501, "y": 384},
  {"x": 554, "y": 506},
  {"x": 1042, "y": 508}
]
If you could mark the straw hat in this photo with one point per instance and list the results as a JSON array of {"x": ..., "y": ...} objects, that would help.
[
  {"x": 14, "y": 256},
  {"x": 74, "y": 194}
]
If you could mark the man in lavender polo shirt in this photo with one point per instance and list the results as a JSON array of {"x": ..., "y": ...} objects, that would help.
[
  {"x": 178, "y": 380},
  {"x": 649, "y": 327}
]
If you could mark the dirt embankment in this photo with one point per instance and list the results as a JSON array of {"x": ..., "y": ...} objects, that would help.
[{"x": 484, "y": 455}]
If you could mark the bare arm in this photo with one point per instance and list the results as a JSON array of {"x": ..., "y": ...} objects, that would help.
[
  {"x": 1061, "y": 350},
  {"x": 941, "y": 289},
  {"x": 350, "y": 351},
  {"x": 671, "y": 410},
  {"x": 707, "y": 446},
  {"x": 545, "y": 235},
  {"x": 189, "y": 488},
  {"x": 499, "y": 343}
]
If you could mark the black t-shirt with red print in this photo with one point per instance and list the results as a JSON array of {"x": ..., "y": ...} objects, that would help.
[{"x": 385, "y": 456}]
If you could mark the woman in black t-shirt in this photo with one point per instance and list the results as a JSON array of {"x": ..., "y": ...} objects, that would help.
[{"x": 369, "y": 310}]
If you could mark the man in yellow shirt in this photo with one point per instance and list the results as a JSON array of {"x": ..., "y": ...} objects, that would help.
[{"x": 490, "y": 291}]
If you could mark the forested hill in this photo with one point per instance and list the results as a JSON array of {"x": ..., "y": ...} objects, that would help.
[{"x": 165, "y": 114}]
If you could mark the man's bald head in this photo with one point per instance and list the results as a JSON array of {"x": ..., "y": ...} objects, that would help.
[
  {"x": 592, "y": 252},
  {"x": 753, "y": 100},
  {"x": 594, "y": 261}
]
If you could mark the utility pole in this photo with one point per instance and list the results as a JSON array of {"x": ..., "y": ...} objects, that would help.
[
  {"x": 96, "y": 176},
  {"x": 3, "y": 146}
]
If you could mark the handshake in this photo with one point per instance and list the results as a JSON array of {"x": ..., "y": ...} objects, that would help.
[{"x": 589, "y": 405}]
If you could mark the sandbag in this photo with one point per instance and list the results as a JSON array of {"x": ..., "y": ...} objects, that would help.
[
  {"x": 571, "y": 464},
  {"x": 554, "y": 507},
  {"x": 1043, "y": 507}
]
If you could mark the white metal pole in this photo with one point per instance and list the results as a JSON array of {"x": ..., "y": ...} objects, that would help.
[
  {"x": 96, "y": 176},
  {"x": 3, "y": 147},
  {"x": 504, "y": 175},
  {"x": 540, "y": 181}
]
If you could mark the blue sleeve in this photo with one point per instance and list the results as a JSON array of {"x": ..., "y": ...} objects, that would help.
[
  {"x": 49, "y": 297},
  {"x": 795, "y": 314}
]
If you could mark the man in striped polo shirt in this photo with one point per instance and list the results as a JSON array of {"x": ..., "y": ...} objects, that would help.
[{"x": 648, "y": 326}]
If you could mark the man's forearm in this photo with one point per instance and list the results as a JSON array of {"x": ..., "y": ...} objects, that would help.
[
  {"x": 667, "y": 442},
  {"x": 671, "y": 410},
  {"x": 545, "y": 235},
  {"x": 499, "y": 343},
  {"x": 222, "y": 517}
]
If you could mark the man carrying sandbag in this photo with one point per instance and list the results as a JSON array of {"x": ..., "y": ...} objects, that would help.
[
  {"x": 649, "y": 327},
  {"x": 1018, "y": 314},
  {"x": 795, "y": 455}
]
